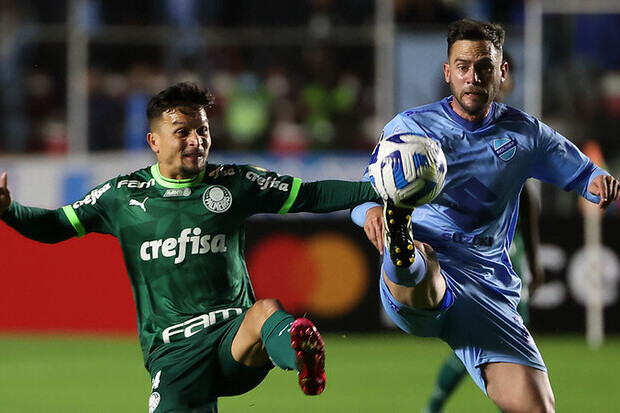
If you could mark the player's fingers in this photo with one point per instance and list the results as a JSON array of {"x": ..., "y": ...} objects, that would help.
[
  {"x": 371, "y": 234},
  {"x": 378, "y": 232},
  {"x": 3, "y": 180},
  {"x": 380, "y": 241},
  {"x": 604, "y": 192},
  {"x": 613, "y": 189},
  {"x": 615, "y": 192}
]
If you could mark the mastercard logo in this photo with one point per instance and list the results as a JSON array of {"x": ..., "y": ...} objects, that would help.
[{"x": 325, "y": 274}]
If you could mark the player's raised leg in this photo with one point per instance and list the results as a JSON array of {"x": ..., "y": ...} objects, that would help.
[
  {"x": 518, "y": 388},
  {"x": 269, "y": 334},
  {"x": 310, "y": 355},
  {"x": 410, "y": 268}
]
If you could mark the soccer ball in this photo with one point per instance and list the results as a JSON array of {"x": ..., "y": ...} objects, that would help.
[{"x": 407, "y": 170}]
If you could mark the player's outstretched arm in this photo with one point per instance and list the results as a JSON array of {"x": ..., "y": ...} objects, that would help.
[
  {"x": 44, "y": 225},
  {"x": 332, "y": 195},
  {"x": 606, "y": 187},
  {"x": 5, "y": 194}
]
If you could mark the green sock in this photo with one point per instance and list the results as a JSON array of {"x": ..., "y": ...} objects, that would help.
[
  {"x": 450, "y": 375},
  {"x": 276, "y": 336}
]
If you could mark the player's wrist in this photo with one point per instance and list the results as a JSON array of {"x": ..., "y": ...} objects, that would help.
[{"x": 7, "y": 209}]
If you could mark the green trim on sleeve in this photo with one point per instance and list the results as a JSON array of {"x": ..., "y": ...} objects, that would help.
[
  {"x": 292, "y": 196},
  {"x": 74, "y": 220}
]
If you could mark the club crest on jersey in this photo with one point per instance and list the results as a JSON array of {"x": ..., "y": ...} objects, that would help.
[
  {"x": 505, "y": 148},
  {"x": 217, "y": 199}
]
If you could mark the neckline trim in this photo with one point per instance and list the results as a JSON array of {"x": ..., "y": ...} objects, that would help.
[
  {"x": 175, "y": 183},
  {"x": 464, "y": 123}
]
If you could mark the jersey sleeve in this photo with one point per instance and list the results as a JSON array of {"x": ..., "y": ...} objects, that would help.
[
  {"x": 267, "y": 191},
  {"x": 560, "y": 162},
  {"x": 358, "y": 214},
  {"x": 332, "y": 195},
  {"x": 95, "y": 212},
  {"x": 44, "y": 225},
  {"x": 402, "y": 124}
]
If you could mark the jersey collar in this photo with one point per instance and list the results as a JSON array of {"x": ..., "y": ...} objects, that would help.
[
  {"x": 175, "y": 183},
  {"x": 465, "y": 124}
]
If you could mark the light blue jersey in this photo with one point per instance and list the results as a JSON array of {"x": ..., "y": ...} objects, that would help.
[{"x": 471, "y": 223}]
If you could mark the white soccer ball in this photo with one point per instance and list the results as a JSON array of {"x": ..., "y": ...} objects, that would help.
[{"x": 407, "y": 170}]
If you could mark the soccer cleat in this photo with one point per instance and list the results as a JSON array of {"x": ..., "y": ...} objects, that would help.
[
  {"x": 310, "y": 354},
  {"x": 399, "y": 234}
]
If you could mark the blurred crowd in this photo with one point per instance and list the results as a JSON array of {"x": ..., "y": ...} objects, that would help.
[
  {"x": 311, "y": 93},
  {"x": 312, "y": 96}
]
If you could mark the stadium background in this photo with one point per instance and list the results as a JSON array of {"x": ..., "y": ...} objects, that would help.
[{"x": 302, "y": 88}]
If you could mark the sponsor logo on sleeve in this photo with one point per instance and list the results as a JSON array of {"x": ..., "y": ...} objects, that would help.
[
  {"x": 265, "y": 182},
  {"x": 91, "y": 199},
  {"x": 217, "y": 199},
  {"x": 216, "y": 173}
]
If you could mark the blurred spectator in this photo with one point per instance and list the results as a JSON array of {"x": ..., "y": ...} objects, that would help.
[
  {"x": 288, "y": 136},
  {"x": 42, "y": 105},
  {"x": 247, "y": 115},
  {"x": 425, "y": 11},
  {"x": 105, "y": 115},
  {"x": 138, "y": 95},
  {"x": 13, "y": 38}
]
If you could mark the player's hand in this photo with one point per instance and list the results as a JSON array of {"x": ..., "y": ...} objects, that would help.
[
  {"x": 5, "y": 194},
  {"x": 373, "y": 226},
  {"x": 607, "y": 187}
]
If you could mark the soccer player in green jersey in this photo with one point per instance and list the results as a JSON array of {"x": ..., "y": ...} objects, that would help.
[{"x": 180, "y": 223}]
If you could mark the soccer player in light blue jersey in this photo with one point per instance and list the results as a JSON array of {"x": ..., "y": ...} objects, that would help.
[{"x": 463, "y": 289}]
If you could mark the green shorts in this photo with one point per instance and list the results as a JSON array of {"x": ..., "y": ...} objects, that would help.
[{"x": 190, "y": 374}]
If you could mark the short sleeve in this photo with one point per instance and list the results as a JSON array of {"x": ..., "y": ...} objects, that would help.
[
  {"x": 266, "y": 191},
  {"x": 560, "y": 162},
  {"x": 95, "y": 212}
]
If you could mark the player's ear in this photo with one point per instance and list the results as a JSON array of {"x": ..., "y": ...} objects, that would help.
[
  {"x": 504, "y": 70},
  {"x": 446, "y": 72},
  {"x": 153, "y": 140}
]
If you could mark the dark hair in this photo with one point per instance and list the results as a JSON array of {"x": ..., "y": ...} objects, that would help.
[
  {"x": 183, "y": 94},
  {"x": 468, "y": 29}
]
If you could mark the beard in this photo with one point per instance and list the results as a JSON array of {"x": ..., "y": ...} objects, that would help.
[{"x": 475, "y": 109}]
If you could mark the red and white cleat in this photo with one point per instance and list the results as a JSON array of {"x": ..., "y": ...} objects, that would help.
[{"x": 310, "y": 353}]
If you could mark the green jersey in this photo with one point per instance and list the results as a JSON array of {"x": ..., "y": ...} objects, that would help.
[{"x": 183, "y": 240}]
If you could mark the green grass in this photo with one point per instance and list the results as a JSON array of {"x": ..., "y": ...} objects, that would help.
[{"x": 366, "y": 373}]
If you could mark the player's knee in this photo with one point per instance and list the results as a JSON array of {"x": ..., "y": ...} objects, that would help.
[
  {"x": 428, "y": 252},
  {"x": 538, "y": 406},
  {"x": 259, "y": 313},
  {"x": 547, "y": 403},
  {"x": 264, "y": 308},
  {"x": 535, "y": 403}
]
